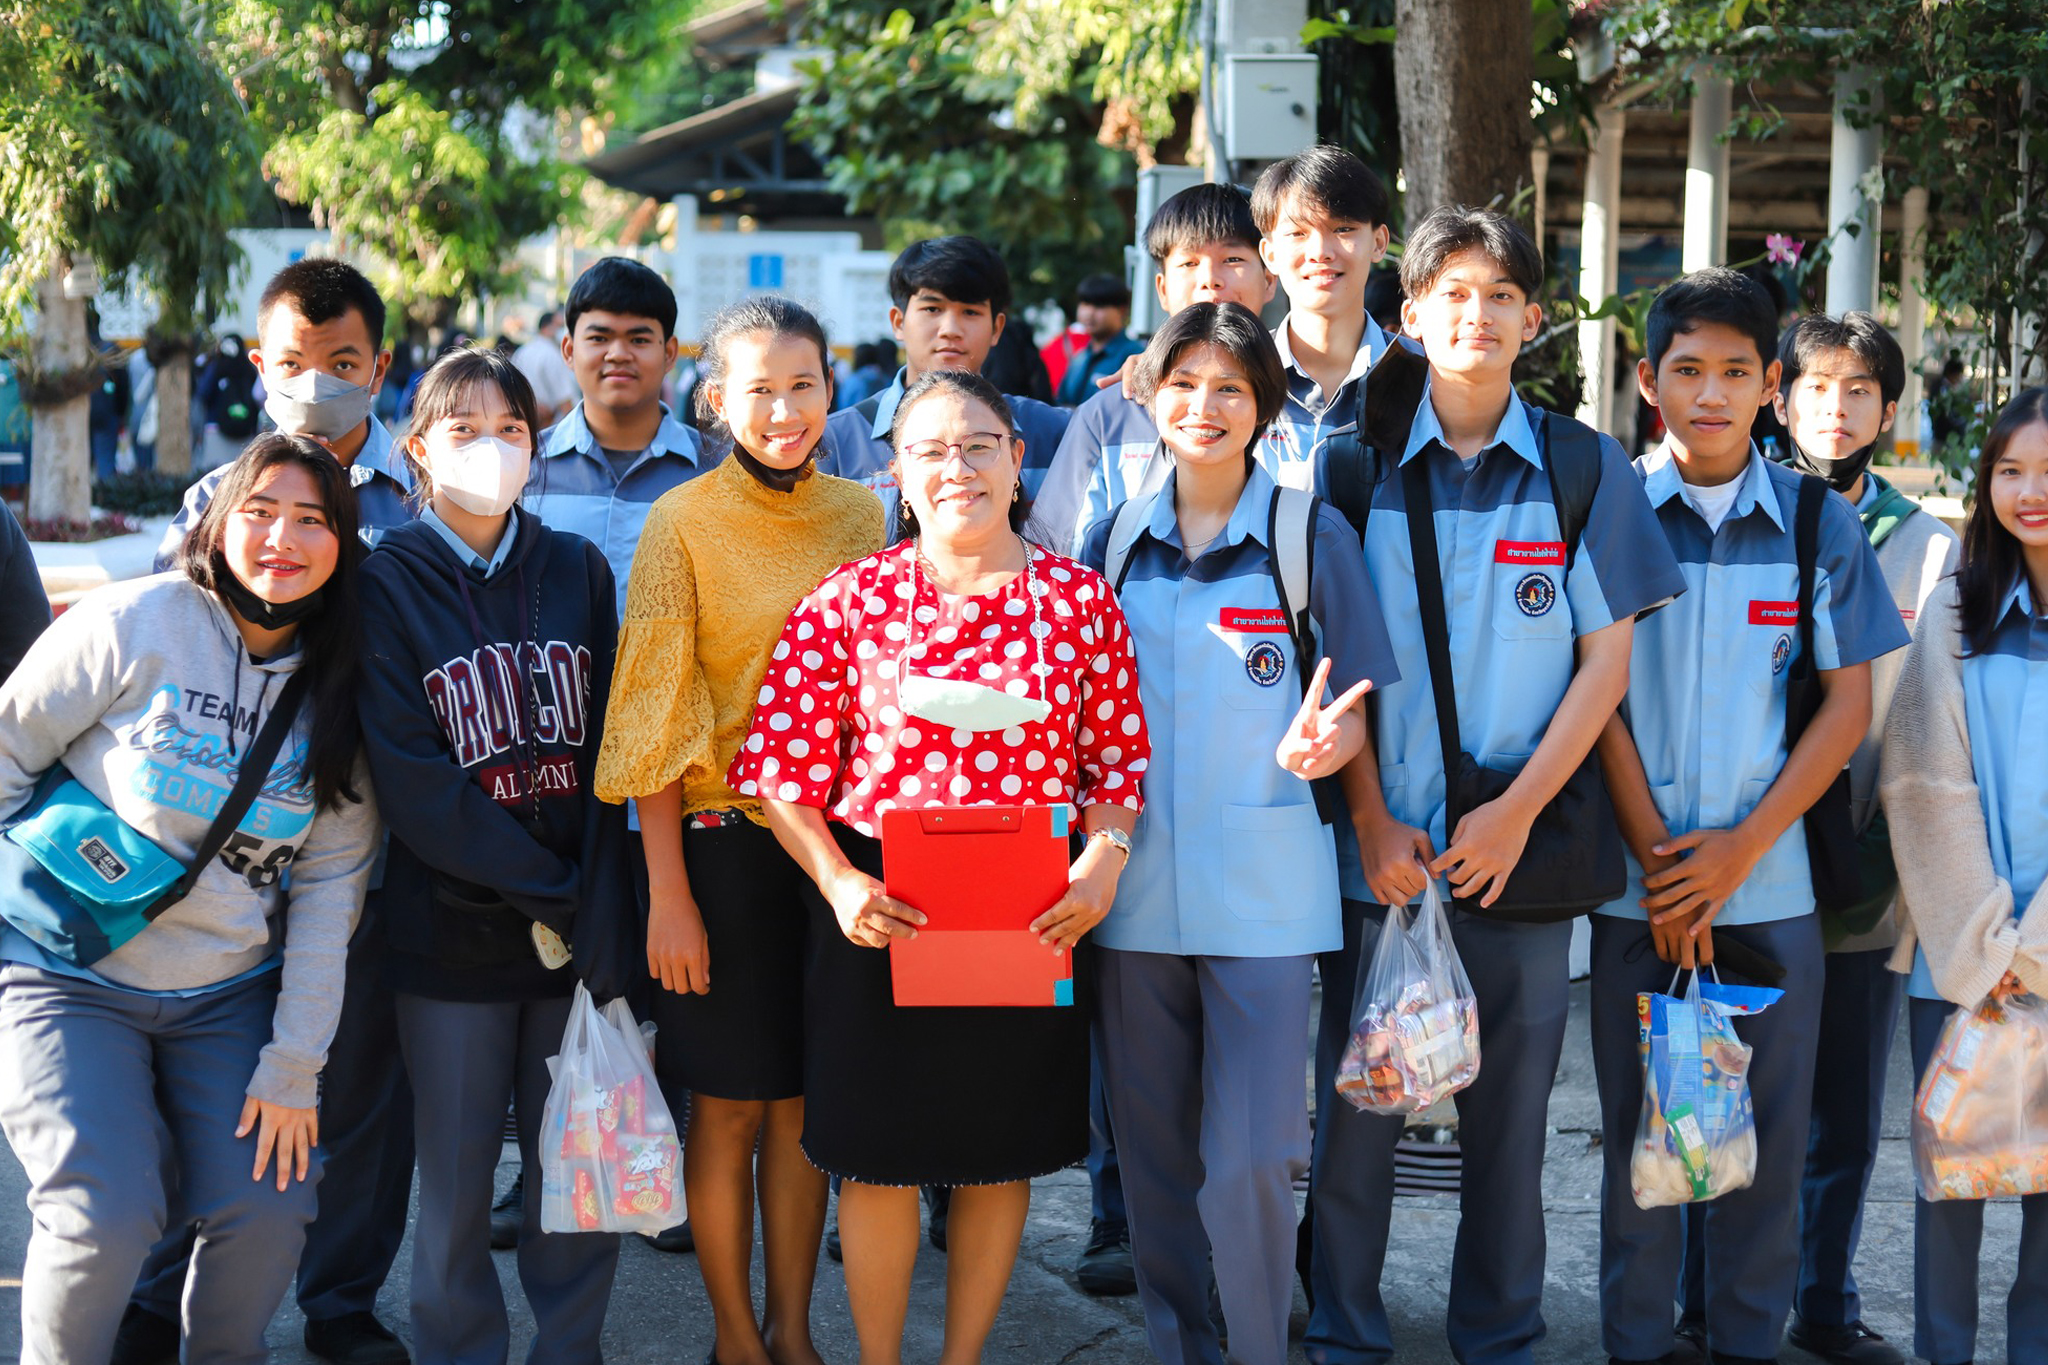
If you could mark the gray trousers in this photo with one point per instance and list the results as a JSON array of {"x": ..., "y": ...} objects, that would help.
[
  {"x": 463, "y": 1059},
  {"x": 1751, "y": 1236},
  {"x": 91, "y": 1078},
  {"x": 1520, "y": 976},
  {"x": 1203, "y": 1062}
]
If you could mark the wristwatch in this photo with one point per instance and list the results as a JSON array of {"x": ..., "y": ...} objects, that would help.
[{"x": 1116, "y": 837}]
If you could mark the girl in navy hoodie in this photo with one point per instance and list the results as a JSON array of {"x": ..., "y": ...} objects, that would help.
[{"x": 489, "y": 661}]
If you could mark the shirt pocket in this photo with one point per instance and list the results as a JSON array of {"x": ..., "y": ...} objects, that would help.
[
  {"x": 1281, "y": 863},
  {"x": 1258, "y": 671},
  {"x": 1528, "y": 603}
]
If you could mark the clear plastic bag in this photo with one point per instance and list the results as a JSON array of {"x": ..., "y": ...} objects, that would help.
[
  {"x": 1415, "y": 1036},
  {"x": 1696, "y": 1139},
  {"x": 610, "y": 1159},
  {"x": 1980, "y": 1119}
]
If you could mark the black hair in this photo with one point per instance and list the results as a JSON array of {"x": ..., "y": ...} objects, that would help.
[
  {"x": 964, "y": 385},
  {"x": 320, "y": 289},
  {"x": 626, "y": 287},
  {"x": 330, "y": 640},
  {"x": 1858, "y": 333},
  {"x": 771, "y": 314},
  {"x": 963, "y": 269},
  {"x": 546, "y": 320},
  {"x": 1715, "y": 294},
  {"x": 1103, "y": 291},
  {"x": 1953, "y": 367},
  {"x": 1991, "y": 557},
  {"x": 1201, "y": 216},
  {"x": 447, "y": 385},
  {"x": 1327, "y": 179},
  {"x": 1232, "y": 328},
  {"x": 1455, "y": 229}
]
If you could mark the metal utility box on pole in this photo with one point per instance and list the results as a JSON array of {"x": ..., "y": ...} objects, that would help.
[{"x": 1156, "y": 185}]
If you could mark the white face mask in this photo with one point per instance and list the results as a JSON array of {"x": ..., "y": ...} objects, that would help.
[
  {"x": 482, "y": 476},
  {"x": 966, "y": 705}
]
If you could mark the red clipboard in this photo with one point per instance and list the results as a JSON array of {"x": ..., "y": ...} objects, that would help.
[{"x": 980, "y": 874}]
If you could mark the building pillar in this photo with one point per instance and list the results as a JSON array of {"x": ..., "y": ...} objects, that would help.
[
  {"x": 1855, "y": 192},
  {"x": 1706, "y": 171},
  {"x": 1599, "y": 265},
  {"x": 1912, "y": 322}
]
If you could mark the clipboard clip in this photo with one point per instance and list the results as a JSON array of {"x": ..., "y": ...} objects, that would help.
[{"x": 969, "y": 820}]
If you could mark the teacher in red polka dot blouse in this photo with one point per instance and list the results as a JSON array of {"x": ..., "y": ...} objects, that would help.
[{"x": 962, "y": 666}]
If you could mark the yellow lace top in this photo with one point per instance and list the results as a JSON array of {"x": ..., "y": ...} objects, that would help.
[{"x": 722, "y": 562}]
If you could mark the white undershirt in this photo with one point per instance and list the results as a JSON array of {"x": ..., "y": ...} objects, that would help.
[{"x": 1713, "y": 503}]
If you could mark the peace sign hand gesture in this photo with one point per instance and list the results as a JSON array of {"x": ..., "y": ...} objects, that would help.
[{"x": 1319, "y": 740}]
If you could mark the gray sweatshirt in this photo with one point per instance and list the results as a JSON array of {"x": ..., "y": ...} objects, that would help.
[{"x": 133, "y": 690}]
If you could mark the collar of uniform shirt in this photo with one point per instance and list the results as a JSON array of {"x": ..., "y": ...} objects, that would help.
[
  {"x": 572, "y": 435},
  {"x": 462, "y": 548},
  {"x": 1372, "y": 344},
  {"x": 885, "y": 408},
  {"x": 1514, "y": 430},
  {"x": 379, "y": 455},
  {"x": 1247, "y": 519},
  {"x": 1663, "y": 482},
  {"x": 2019, "y": 596}
]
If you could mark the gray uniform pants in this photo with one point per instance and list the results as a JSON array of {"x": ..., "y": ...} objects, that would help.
[
  {"x": 91, "y": 1077},
  {"x": 1203, "y": 1062},
  {"x": 1520, "y": 976},
  {"x": 463, "y": 1059}
]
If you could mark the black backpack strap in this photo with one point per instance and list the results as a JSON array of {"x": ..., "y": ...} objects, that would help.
[
  {"x": 1571, "y": 459},
  {"x": 868, "y": 407},
  {"x": 1813, "y": 494},
  {"x": 255, "y": 770},
  {"x": 1436, "y": 630},
  {"x": 1291, "y": 518}
]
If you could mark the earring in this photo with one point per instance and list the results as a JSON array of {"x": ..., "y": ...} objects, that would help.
[{"x": 1017, "y": 491}]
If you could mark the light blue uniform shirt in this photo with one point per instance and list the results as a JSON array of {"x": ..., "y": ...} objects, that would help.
[
  {"x": 461, "y": 547},
  {"x": 2005, "y": 703},
  {"x": 379, "y": 475},
  {"x": 857, "y": 446},
  {"x": 1706, "y": 697},
  {"x": 1514, "y": 608},
  {"x": 1230, "y": 858},
  {"x": 1101, "y": 461},
  {"x": 571, "y": 486},
  {"x": 1292, "y": 450}
]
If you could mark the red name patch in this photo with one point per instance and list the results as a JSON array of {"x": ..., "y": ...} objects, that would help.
[
  {"x": 1907, "y": 613},
  {"x": 1270, "y": 621},
  {"x": 1774, "y": 613},
  {"x": 1528, "y": 552}
]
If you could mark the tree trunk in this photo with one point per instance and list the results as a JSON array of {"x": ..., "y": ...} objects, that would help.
[
  {"x": 60, "y": 452},
  {"x": 1462, "y": 71},
  {"x": 174, "y": 414}
]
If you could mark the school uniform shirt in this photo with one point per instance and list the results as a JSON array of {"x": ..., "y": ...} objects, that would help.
[
  {"x": 1077, "y": 380},
  {"x": 379, "y": 475},
  {"x": 1101, "y": 461},
  {"x": 857, "y": 446},
  {"x": 1230, "y": 858},
  {"x": 571, "y": 487},
  {"x": 1292, "y": 450},
  {"x": 2005, "y": 697},
  {"x": 1706, "y": 697},
  {"x": 1514, "y": 606}
]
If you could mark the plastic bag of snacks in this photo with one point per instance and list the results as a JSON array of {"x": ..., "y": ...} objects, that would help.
[
  {"x": 1415, "y": 1036},
  {"x": 610, "y": 1160},
  {"x": 1980, "y": 1120},
  {"x": 1697, "y": 1136}
]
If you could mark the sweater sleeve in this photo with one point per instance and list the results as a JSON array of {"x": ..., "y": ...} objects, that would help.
[
  {"x": 328, "y": 877},
  {"x": 440, "y": 812},
  {"x": 661, "y": 720},
  {"x": 24, "y": 610},
  {"x": 63, "y": 685},
  {"x": 1953, "y": 904},
  {"x": 605, "y": 943}
]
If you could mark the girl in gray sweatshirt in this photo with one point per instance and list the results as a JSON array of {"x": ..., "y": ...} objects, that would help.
[{"x": 212, "y": 1023}]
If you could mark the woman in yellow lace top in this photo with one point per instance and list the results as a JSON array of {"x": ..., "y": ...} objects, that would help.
[{"x": 723, "y": 560}]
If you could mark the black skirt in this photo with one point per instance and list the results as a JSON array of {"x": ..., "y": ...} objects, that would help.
[
  {"x": 932, "y": 1095},
  {"x": 744, "y": 1040}
]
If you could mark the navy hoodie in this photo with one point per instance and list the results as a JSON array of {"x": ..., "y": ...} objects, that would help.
[{"x": 472, "y": 689}]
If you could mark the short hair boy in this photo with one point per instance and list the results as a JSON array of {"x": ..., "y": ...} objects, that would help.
[
  {"x": 949, "y": 301},
  {"x": 1102, "y": 307},
  {"x": 1205, "y": 249},
  {"x": 1539, "y": 628},
  {"x": 602, "y": 467},
  {"x": 1709, "y": 804},
  {"x": 1838, "y": 392}
]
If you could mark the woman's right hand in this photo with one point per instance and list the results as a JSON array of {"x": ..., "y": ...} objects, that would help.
[
  {"x": 678, "y": 950},
  {"x": 867, "y": 913}
]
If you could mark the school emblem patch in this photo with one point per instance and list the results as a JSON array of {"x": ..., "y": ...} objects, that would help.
[
  {"x": 1781, "y": 654},
  {"x": 1535, "y": 594},
  {"x": 1265, "y": 663}
]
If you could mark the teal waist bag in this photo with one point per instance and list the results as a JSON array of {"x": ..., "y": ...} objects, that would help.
[{"x": 77, "y": 879}]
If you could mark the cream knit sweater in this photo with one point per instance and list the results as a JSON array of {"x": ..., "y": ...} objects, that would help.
[{"x": 1951, "y": 903}]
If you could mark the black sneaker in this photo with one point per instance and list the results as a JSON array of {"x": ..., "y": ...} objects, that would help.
[
  {"x": 1105, "y": 1267},
  {"x": 1853, "y": 1344},
  {"x": 832, "y": 1247},
  {"x": 939, "y": 1199},
  {"x": 676, "y": 1240},
  {"x": 145, "y": 1338},
  {"x": 509, "y": 1213},
  {"x": 355, "y": 1339}
]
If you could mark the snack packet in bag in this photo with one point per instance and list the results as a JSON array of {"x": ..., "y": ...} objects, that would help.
[
  {"x": 610, "y": 1158},
  {"x": 1415, "y": 1034},
  {"x": 1980, "y": 1119},
  {"x": 1696, "y": 1139}
]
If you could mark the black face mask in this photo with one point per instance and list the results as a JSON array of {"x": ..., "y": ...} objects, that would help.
[
  {"x": 1841, "y": 474},
  {"x": 264, "y": 614},
  {"x": 781, "y": 480}
]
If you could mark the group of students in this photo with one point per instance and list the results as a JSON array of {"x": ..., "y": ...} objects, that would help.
[{"x": 1286, "y": 623}]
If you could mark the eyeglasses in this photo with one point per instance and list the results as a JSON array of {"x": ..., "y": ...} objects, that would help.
[{"x": 979, "y": 449}]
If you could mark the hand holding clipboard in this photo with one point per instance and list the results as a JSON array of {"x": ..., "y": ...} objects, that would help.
[{"x": 867, "y": 913}]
